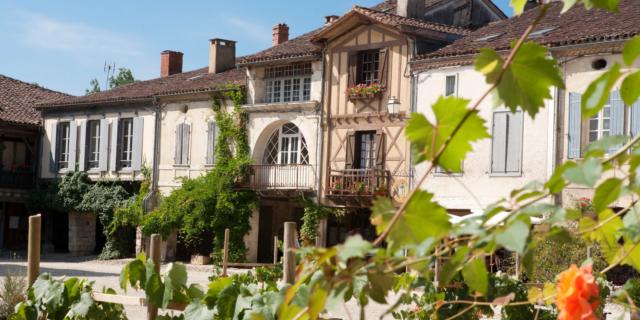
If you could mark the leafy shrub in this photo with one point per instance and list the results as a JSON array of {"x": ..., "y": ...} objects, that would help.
[
  {"x": 553, "y": 256},
  {"x": 13, "y": 288},
  {"x": 51, "y": 298}
]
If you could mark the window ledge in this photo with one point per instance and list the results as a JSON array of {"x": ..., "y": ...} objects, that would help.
[
  {"x": 505, "y": 174},
  {"x": 444, "y": 174},
  {"x": 182, "y": 166}
]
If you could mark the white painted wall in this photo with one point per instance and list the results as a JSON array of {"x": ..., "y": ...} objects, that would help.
[
  {"x": 112, "y": 115},
  {"x": 477, "y": 187}
]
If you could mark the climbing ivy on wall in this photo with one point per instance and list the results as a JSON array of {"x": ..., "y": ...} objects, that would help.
[{"x": 202, "y": 208}]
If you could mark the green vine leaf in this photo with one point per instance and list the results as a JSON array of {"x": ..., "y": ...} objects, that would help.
[
  {"x": 629, "y": 88},
  {"x": 514, "y": 236},
  {"x": 586, "y": 173},
  {"x": 422, "y": 219},
  {"x": 631, "y": 50},
  {"x": 527, "y": 81},
  {"x": 518, "y": 6},
  {"x": 607, "y": 193},
  {"x": 598, "y": 91},
  {"x": 452, "y": 266},
  {"x": 430, "y": 138},
  {"x": 354, "y": 247},
  {"x": 476, "y": 276}
]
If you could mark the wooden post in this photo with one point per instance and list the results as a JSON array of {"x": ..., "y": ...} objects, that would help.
[
  {"x": 289, "y": 260},
  {"x": 225, "y": 254},
  {"x": 517, "y": 266},
  {"x": 33, "y": 250},
  {"x": 152, "y": 310},
  {"x": 275, "y": 250}
]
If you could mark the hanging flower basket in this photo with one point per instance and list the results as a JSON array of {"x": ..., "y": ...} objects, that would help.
[{"x": 365, "y": 91}]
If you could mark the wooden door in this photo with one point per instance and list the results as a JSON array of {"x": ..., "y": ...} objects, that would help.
[
  {"x": 265, "y": 235},
  {"x": 16, "y": 226}
]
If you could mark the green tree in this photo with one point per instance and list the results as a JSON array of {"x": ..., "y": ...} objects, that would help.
[
  {"x": 95, "y": 87},
  {"x": 124, "y": 76}
]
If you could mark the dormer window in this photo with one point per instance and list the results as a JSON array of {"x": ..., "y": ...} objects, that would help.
[
  {"x": 369, "y": 67},
  {"x": 286, "y": 84}
]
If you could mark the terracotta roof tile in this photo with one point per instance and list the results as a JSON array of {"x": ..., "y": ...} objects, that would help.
[
  {"x": 389, "y": 5},
  {"x": 576, "y": 26},
  {"x": 18, "y": 98},
  {"x": 397, "y": 21},
  {"x": 299, "y": 47},
  {"x": 187, "y": 82}
]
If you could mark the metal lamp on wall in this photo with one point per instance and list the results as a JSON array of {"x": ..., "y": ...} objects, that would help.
[{"x": 393, "y": 105}]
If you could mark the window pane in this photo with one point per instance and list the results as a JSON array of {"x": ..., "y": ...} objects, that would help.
[
  {"x": 450, "y": 86},
  {"x": 93, "y": 137},
  {"x": 306, "y": 92},
  {"x": 287, "y": 90},
  {"x": 295, "y": 90},
  {"x": 369, "y": 64}
]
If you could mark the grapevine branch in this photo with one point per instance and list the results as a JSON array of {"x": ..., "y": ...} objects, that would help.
[{"x": 398, "y": 214}]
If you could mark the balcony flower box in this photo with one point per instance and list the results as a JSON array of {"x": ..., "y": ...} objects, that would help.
[{"x": 365, "y": 91}]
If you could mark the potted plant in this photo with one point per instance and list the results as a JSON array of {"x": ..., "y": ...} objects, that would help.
[
  {"x": 359, "y": 188},
  {"x": 381, "y": 191},
  {"x": 365, "y": 91}
]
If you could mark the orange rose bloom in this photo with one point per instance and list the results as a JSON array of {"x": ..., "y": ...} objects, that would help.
[{"x": 577, "y": 297}]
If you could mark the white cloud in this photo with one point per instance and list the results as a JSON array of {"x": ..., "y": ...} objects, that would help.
[
  {"x": 43, "y": 32},
  {"x": 250, "y": 28}
]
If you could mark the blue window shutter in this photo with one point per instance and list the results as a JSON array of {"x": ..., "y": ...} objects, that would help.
[
  {"x": 136, "y": 156},
  {"x": 53, "y": 159},
  {"x": 113, "y": 152},
  {"x": 499, "y": 142},
  {"x": 514, "y": 142},
  {"x": 635, "y": 119},
  {"x": 617, "y": 117},
  {"x": 104, "y": 145},
  {"x": 575, "y": 126},
  {"x": 73, "y": 142},
  {"x": 83, "y": 146}
]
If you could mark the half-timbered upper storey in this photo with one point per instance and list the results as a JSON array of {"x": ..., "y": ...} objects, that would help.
[{"x": 368, "y": 97}]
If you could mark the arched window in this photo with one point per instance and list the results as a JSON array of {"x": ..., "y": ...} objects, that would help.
[{"x": 286, "y": 146}]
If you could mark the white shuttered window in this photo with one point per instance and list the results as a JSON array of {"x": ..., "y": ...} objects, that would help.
[{"x": 506, "y": 153}]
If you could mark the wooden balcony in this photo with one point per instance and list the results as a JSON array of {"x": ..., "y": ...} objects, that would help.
[
  {"x": 16, "y": 179},
  {"x": 296, "y": 177},
  {"x": 363, "y": 184}
]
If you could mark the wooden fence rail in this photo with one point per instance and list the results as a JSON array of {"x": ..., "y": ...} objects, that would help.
[{"x": 33, "y": 265}]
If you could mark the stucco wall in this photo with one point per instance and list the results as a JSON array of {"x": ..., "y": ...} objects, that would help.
[
  {"x": 476, "y": 187},
  {"x": 197, "y": 113},
  {"x": 578, "y": 75},
  {"x": 112, "y": 115}
]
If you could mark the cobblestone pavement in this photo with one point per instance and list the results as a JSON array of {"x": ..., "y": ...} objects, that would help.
[{"x": 106, "y": 274}]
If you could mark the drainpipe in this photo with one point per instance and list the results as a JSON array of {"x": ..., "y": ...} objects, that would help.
[
  {"x": 320, "y": 143},
  {"x": 413, "y": 108},
  {"x": 155, "y": 172}
]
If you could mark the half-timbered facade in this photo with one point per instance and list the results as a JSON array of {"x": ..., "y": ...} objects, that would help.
[{"x": 367, "y": 99}]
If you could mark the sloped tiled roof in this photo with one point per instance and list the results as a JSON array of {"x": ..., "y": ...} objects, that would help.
[
  {"x": 576, "y": 26},
  {"x": 199, "y": 80},
  {"x": 299, "y": 47},
  {"x": 389, "y": 5},
  {"x": 400, "y": 22},
  {"x": 18, "y": 98}
]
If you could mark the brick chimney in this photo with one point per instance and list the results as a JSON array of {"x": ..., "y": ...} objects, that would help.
[
  {"x": 280, "y": 34},
  {"x": 222, "y": 55},
  {"x": 410, "y": 8},
  {"x": 330, "y": 19},
  {"x": 170, "y": 63}
]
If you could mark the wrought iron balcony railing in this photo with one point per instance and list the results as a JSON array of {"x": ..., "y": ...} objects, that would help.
[
  {"x": 359, "y": 182},
  {"x": 282, "y": 177}
]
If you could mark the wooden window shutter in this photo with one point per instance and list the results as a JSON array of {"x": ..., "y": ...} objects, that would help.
[
  {"x": 104, "y": 144},
  {"x": 499, "y": 142},
  {"x": 82, "y": 157},
  {"x": 53, "y": 153},
  {"x": 514, "y": 142},
  {"x": 617, "y": 117},
  {"x": 383, "y": 69},
  {"x": 177, "y": 158},
  {"x": 136, "y": 156},
  {"x": 575, "y": 126},
  {"x": 350, "y": 149},
  {"x": 635, "y": 119},
  {"x": 115, "y": 135},
  {"x": 73, "y": 142},
  {"x": 380, "y": 149},
  {"x": 186, "y": 139},
  {"x": 353, "y": 69}
]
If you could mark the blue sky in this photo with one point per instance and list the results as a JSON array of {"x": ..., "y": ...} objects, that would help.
[{"x": 63, "y": 44}]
